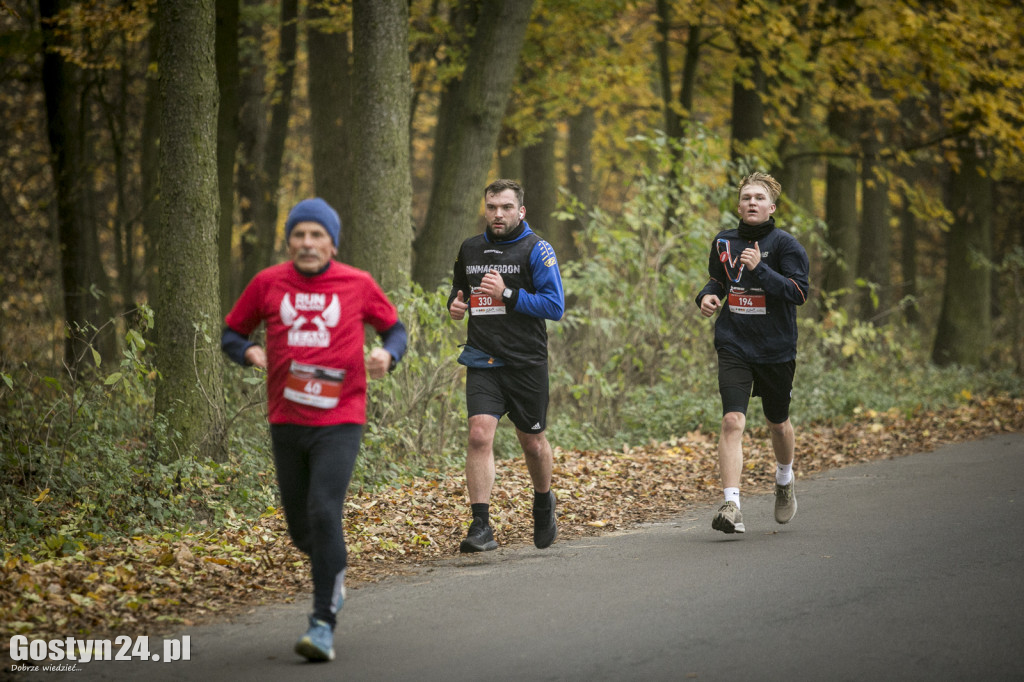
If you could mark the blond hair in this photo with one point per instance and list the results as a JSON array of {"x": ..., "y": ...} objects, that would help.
[{"x": 770, "y": 184}]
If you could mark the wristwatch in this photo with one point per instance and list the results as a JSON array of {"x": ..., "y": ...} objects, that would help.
[{"x": 506, "y": 295}]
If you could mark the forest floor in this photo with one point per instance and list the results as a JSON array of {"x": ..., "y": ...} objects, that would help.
[{"x": 162, "y": 584}]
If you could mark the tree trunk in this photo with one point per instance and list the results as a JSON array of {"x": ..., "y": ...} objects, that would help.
[
  {"x": 277, "y": 133},
  {"x": 673, "y": 127},
  {"x": 116, "y": 113},
  {"x": 190, "y": 395},
  {"x": 87, "y": 308},
  {"x": 908, "y": 263},
  {"x": 841, "y": 215},
  {"x": 263, "y": 146},
  {"x": 329, "y": 107},
  {"x": 462, "y": 20},
  {"x": 580, "y": 170},
  {"x": 688, "y": 77},
  {"x": 965, "y": 323},
  {"x": 227, "y": 142},
  {"x": 798, "y": 161},
  {"x": 380, "y": 231},
  {"x": 747, "y": 107},
  {"x": 252, "y": 145},
  {"x": 873, "y": 253},
  {"x": 676, "y": 112},
  {"x": 468, "y": 137},
  {"x": 150, "y": 162},
  {"x": 540, "y": 186},
  {"x": 579, "y": 156}
]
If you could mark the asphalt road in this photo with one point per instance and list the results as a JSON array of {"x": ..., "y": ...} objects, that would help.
[{"x": 908, "y": 569}]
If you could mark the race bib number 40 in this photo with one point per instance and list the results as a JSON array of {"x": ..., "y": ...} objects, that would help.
[
  {"x": 314, "y": 386},
  {"x": 485, "y": 304},
  {"x": 747, "y": 301}
]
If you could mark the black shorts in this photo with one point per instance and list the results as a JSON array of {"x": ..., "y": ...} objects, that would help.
[
  {"x": 739, "y": 379},
  {"x": 520, "y": 392}
]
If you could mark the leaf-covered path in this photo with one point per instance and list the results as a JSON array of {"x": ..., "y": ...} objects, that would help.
[{"x": 153, "y": 584}]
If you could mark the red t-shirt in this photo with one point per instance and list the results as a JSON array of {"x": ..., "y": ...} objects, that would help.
[{"x": 316, "y": 374}]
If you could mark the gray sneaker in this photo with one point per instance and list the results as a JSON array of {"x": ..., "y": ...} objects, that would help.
[
  {"x": 785, "y": 502},
  {"x": 729, "y": 519}
]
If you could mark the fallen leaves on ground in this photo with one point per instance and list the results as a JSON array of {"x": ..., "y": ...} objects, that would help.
[{"x": 156, "y": 584}]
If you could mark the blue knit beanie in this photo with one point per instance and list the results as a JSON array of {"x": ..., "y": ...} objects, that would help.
[{"x": 318, "y": 211}]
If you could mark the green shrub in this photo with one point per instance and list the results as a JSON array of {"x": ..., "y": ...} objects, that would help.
[
  {"x": 630, "y": 358},
  {"x": 85, "y": 457},
  {"x": 416, "y": 415}
]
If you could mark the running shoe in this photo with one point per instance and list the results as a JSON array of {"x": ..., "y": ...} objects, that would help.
[
  {"x": 785, "y": 502},
  {"x": 479, "y": 539},
  {"x": 729, "y": 519},
  {"x": 545, "y": 527},
  {"x": 318, "y": 642}
]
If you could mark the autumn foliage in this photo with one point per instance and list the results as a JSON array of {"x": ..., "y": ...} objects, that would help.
[
  {"x": 157, "y": 583},
  {"x": 622, "y": 126}
]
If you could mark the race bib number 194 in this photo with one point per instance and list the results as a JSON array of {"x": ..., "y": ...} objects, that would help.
[{"x": 747, "y": 301}]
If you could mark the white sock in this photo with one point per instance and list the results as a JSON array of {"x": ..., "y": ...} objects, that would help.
[
  {"x": 784, "y": 473},
  {"x": 732, "y": 495}
]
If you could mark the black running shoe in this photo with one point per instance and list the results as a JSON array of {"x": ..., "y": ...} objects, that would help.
[
  {"x": 545, "y": 528},
  {"x": 479, "y": 539}
]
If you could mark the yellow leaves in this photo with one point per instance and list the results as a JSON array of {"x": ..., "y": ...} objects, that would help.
[
  {"x": 24, "y": 581},
  {"x": 423, "y": 540},
  {"x": 122, "y": 573},
  {"x": 217, "y": 564}
]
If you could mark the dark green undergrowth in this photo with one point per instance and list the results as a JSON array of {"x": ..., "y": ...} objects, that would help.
[
  {"x": 66, "y": 485},
  {"x": 85, "y": 458}
]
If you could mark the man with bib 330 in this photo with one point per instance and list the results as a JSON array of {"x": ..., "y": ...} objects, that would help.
[
  {"x": 315, "y": 309},
  {"x": 757, "y": 276},
  {"x": 506, "y": 281}
]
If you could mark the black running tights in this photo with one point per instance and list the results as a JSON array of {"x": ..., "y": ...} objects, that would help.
[{"x": 314, "y": 466}]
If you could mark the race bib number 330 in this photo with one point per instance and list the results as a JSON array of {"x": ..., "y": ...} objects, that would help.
[{"x": 485, "y": 304}]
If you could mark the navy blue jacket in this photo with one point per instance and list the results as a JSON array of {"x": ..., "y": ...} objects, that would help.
[{"x": 781, "y": 278}]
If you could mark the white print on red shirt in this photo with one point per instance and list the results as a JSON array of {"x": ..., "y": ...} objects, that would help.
[{"x": 327, "y": 318}]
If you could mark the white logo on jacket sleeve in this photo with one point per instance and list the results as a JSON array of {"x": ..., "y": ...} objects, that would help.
[{"x": 326, "y": 318}]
